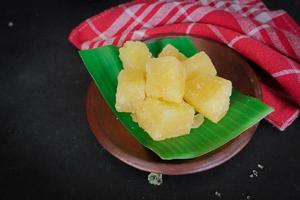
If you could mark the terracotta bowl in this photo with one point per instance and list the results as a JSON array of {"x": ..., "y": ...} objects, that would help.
[{"x": 111, "y": 134}]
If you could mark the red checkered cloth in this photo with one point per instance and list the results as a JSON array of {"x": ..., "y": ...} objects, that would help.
[{"x": 271, "y": 39}]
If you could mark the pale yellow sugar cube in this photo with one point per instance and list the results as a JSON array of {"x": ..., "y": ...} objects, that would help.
[
  {"x": 165, "y": 78},
  {"x": 199, "y": 63},
  {"x": 170, "y": 50},
  {"x": 130, "y": 90},
  {"x": 134, "y": 55},
  {"x": 162, "y": 120},
  {"x": 209, "y": 95}
]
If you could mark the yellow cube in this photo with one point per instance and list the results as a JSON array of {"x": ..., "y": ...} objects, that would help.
[
  {"x": 134, "y": 55},
  {"x": 209, "y": 95},
  {"x": 199, "y": 63},
  {"x": 165, "y": 79},
  {"x": 162, "y": 120},
  {"x": 170, "y": 50},
  {"x": 130, "y": 90}
]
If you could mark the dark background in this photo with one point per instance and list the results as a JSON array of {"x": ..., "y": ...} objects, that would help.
[{"x": 47, "y": 150}]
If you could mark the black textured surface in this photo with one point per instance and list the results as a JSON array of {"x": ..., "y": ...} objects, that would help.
[{"x": 47, "y": 150}]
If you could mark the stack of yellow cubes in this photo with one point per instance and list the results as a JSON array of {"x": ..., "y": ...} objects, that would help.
[{"x": 164, "y": 93}]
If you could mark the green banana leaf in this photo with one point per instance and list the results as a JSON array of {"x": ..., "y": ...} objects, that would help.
[{"x": 104, "y": 65}]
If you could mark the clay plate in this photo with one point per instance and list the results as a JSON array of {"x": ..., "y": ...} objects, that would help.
[{"x": 111, "y": 134}]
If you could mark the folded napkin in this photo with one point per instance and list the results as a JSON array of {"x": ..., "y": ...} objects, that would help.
[{"x": 270, "y": 39}]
